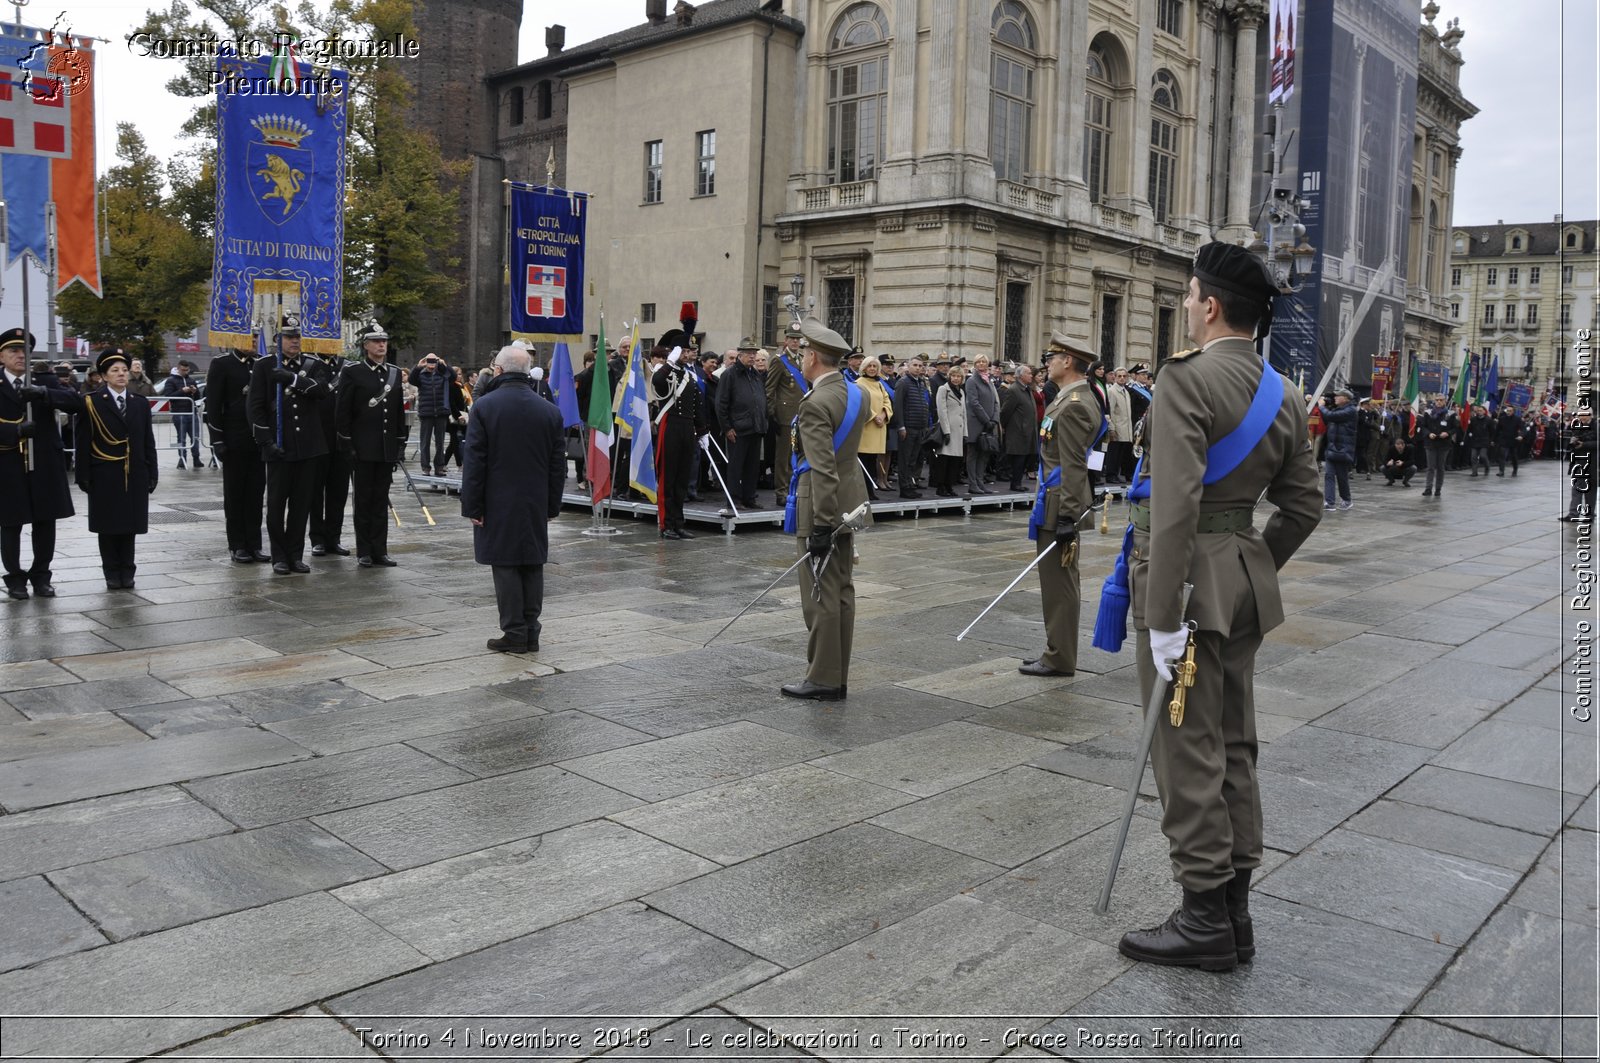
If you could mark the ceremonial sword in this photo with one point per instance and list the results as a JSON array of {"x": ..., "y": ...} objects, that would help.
[
  {"x": 1029, "y": 567},
  {"x": 854, "y": 520}
]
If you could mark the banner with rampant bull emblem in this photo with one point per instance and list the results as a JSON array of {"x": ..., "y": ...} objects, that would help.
[
  {"x": 546, "y": 243},
  {"x": 280, "y": 201}
]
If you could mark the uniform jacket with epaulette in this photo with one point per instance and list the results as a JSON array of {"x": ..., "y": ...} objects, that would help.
[
  {"x": 43, "y": 494},
  {"x": 303, "y": 435},
  {"x": 1203, "y": 395},
  {"x": 835, "y": 483},
  {"x": 371, "y": 414},
  {"x": 227, "y": 401}
]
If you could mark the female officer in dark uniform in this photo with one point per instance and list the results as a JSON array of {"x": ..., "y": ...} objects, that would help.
[{"x": 116, "y": 467}]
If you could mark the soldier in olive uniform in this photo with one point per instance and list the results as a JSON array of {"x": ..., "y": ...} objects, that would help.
[
  {"x": 1072, "y": 423},
  {"x": 244, "y": 478},
  {"x": 1202, "y": 534},
  {"x": 117, "y": 467},
  {"x": 288, "y": 428},
  {"x": 372, "y": 428},
  {"x": 831, "y": 485},
  {"x": 785, "y": 389},
  {"x": 32, "y": 493}
]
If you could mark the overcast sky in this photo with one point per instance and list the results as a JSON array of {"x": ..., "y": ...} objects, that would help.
[{"x": 1532, "y": 152}]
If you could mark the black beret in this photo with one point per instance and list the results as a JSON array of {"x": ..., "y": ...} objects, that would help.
[
  {"x": 1233, "y": 269},
  {"x": 14, "y": 336}
]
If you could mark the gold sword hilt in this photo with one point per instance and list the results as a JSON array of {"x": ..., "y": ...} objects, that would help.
[
  {"x": 1105, "y": 514},
  {"x": 1182, "y": 679}
]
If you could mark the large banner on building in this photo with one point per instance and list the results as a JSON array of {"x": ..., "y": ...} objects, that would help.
[
  {"x": 546, "y": 241},
  {"x": 280, "y": 201},
  {"x": 1355, "y": 113},
  {"x": 1282, "y": 31}
]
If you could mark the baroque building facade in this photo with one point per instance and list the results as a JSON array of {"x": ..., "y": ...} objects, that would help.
[{"x": 934, "y": 175}]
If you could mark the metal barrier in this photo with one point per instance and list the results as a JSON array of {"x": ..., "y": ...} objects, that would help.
[{"x": 179, "y": 424}]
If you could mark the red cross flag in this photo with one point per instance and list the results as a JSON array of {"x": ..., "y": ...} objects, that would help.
[
  {"x": 35, "y": 117},
  {"x": 547, "y": 291}
]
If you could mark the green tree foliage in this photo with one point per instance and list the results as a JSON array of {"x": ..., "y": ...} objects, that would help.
[
  {"x": 155, "y": 277},
  {"x": 402, "y": 200}
]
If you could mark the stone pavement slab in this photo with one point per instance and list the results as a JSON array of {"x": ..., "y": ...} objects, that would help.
[
  {"x": 1444, "y": 832},
  {"x": 36, "y": 923},
  {"x": 300, "y": 950},
  {"x": 677, "y": 765},
  {"x": 1523, "y": 753},
  {"x": 164, "y": 661},
  {"x": 1009, "y": 818},
  {"x": 806, "y": 900},
  {"x": 928, "y": 979},
  {"x": 536, "y": 738},
  {"x": 185, "y": 717},
  {"x": 50, "y": 838},
  {"x": 1424, "y": 1039},
  {"x": 380, "y": 723},
  {"x": 306, "y": 1037},
  {"x": 1058, "y": 716},
  {"x": 326, "y": 784},
  {"x": 614, "y": 965},
  {"x": 73, "y": 776},
  {"x": 890, "y": 712},
  {"x": 1563, "y": 883},
  {"x": 739, "y": 820},
  {"x": 1523, "y": 806},
  {"x": 1390, "y": 884},
  {"x": 940, "y": 758},
  {"x": 419, "y": 829},
  {"x": 25, "y": 738},
  {"x": 467, "y": 902},
  {"x": 161, "y": 888},
  {"x": 94, "y": 696},
  {"x": 276, "y": 704}
]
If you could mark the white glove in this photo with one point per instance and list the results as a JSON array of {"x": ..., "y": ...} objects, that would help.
[
  {"x": 677, "y": 353},
  {"x": 1166, "y": 647}
]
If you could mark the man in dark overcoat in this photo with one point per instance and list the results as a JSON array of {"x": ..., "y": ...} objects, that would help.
[
  {"x": 510, "y": 488},
  {"x": 244, "y": 478},
  {"x": 372, "y": 428},
  {"x": 38, "y": 496},
  {"x": 1019, "y": 423},
  {"x": 117, "y": 467}
]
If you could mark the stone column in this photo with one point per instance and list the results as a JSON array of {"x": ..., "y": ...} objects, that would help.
[
  {"x": 942, "y": 75},
  {"x": 1398, "y": 211},
  {"x": 1073, "y": 43},
  {"x": 1144, "y": 72},
  {"x": 1204, "y": 108},
  {"x": 1353, "y": 207},
  {"x": 1426, "y": 284},
  {"x": 1247, "y": 16}
]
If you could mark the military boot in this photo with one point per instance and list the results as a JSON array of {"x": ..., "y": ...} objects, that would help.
[
  {"x": 1244, "y": 935},
  {"x": 1195, "y": 935}
]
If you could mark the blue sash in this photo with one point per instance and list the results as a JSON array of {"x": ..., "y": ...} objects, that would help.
[
  {"x": 799, "y": 380},
  {"x": 1222, "y": 457},
  {"x": 799, "y": 467},
  {"x": 1036, "y": 517}
]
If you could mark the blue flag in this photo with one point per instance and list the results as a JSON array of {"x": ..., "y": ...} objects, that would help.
[
  {"x": 564, "y": 386},
  {"x": 280, "y": 201},
  {"x": 635, "y": 413}
]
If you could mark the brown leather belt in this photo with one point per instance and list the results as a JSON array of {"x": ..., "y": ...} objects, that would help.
[{"x": 1220, "y": 522}]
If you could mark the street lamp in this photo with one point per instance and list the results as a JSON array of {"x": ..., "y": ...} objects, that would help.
[{"x": 797, "y": 287}]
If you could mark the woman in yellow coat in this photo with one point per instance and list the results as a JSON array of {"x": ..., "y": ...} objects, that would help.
[{"x": 879, "y": 401}]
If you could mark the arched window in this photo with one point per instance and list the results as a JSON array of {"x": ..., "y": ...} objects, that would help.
[
  {"x": 546, "y": 100},
  {"x": 516, "y": 105},
  {"x": 858, "y": 93},
  {"x": 1164, "y": 110},
  {"x": 1011, "y": 90},
  {"x": 1097, "y": 116}
]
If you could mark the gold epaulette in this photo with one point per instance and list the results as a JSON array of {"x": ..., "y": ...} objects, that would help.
[{"x": 1183, "y": 354}]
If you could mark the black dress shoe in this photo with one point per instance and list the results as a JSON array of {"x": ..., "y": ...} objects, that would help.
[
  {"x": 44, "y": 590},
  {"x": 300, "y": 567},
  {"x": 505, "y": 645},
  {"x": 318, "y": 550},
  {"x": 1199, "y": 934},
  {"x": 812, "y": 691},
  {"x": 364, "y": 561},
  {"x": 21, "y": 593},
  {"x": 910, "y": 494},
  {"x": 281, "y": 568},
  {"x": 257, "y": 555},
  {"x": 1039, "y": 668},
  {"x": 243, "y": 557},
  {"x": 340, "y": 550},
  {"x": 682, "y": 534},
  {"x": 751, "y": 505},
  {"x": 385, "y": 561}
]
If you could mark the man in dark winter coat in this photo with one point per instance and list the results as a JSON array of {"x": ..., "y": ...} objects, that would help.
[
  {"x": 244, "y": 478},
  {"x": 742, "y": 415},
  {"x": 38, "y": 496},
  {"x": 1508, "y": 437},
  {"x": 432, "y": 381},
  {"x": 372, "y": 427},
  {"x": 1339, "y": 451},
  {"x": 117, "y": 467},
  {"x": 510, "y": 488},
  {"x": 1480, "y": 438},
  {"x": 1019, "y": 418},
  {"x": 1437, "y": 428}
]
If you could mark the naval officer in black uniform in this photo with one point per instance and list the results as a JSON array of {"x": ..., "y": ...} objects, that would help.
[
  {"x": 288, "y": 428},
  {"x": 372, "y": 429},
  {"x": 244, "y": 479}
]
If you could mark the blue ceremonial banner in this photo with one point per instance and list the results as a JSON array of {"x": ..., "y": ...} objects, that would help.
[
  {"x": 1432, "y": 378},
  {"x": 546, "y": 241},
  {"x": 280, "y": 203},
  {"x": 1519, "y": 395}
]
